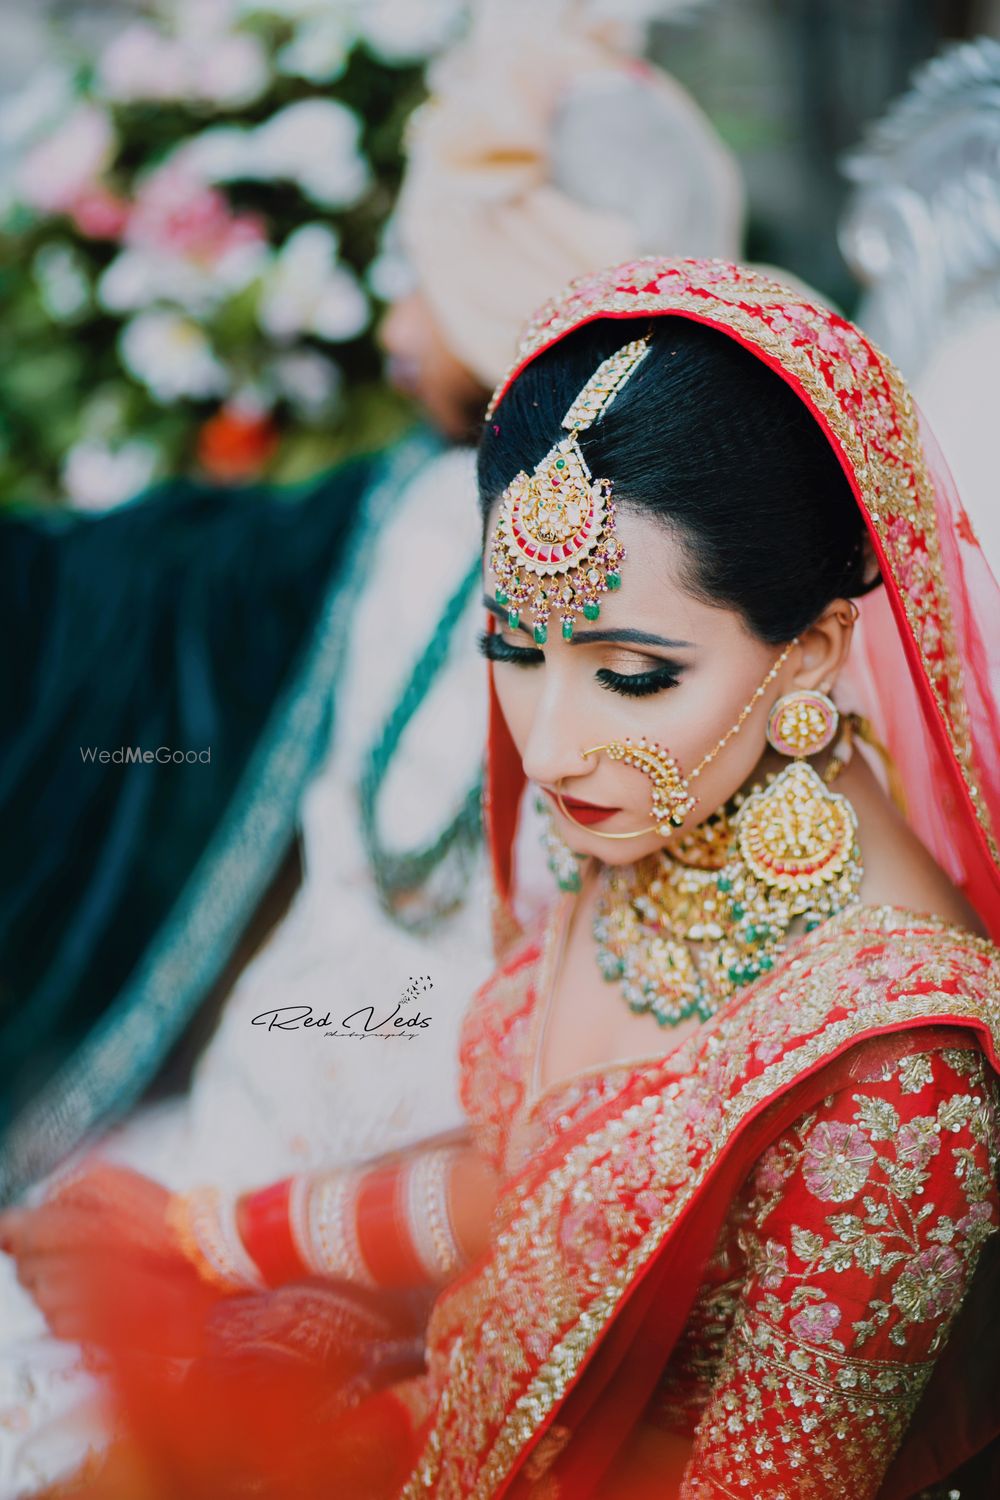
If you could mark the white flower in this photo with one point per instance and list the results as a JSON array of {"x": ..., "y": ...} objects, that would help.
[
  {"x": 402, "y": 31},
  {"x": 171, "y": 356},
  {"x": 96, "y": 476},
  {"x": 204, "y": 62},
  {"x": 223, "y": 153},
  {"x": 232, "y": 71},
  {"x": 58, "y": 169},
  {"x": 142, "y": 63},
  {"x": 309, "y": 381},
  {"x": 309, "y": 291},
  {"x": 314, "y": 143},
  {"x": 63, "y": 283},
  {"x": 319, "y": 49}
]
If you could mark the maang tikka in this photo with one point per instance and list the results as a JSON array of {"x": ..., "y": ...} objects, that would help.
[{"x": 554, "y": 547}]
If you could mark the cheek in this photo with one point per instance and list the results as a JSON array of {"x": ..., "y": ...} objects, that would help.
[{"x": 517, "y": 690}]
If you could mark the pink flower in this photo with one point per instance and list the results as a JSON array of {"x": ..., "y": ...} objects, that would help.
[
  {"x": 176, "y": 214},
  {"x": 838, "y": 1160},
  {"x": 584, "y": 1236},
  {"x": 917, "y": 1142},
  {"x": 100, "y": 214},
  {"x": 817, "y": 1323},
  {"x": 772, "y": 1265},
  {"x": 931, "y": 1284},
  {"x": 772, "y": 1170}
]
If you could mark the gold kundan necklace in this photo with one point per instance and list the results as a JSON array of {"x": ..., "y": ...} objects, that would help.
[{"x": 684, "y": 928}]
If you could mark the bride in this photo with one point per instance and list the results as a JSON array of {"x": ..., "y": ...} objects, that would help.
[{"x": 726, "y": 1219}]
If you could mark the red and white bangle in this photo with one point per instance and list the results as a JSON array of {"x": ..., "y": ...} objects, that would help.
[
  {"x": 324, "y": 1220},
  {"x": 204, "y": 1224},
  {"x": 384, "y": 1226},
  {"x": 428, "y": 1215},
  {"x": 380, "y": 1226}
]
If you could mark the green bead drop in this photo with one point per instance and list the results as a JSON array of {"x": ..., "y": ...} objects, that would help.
[
  {"x": 513, "y": 618},
  {"x": 591, "y": 611},
  {"x": 500, "y": 596},
  {"x": 567, "y": 630},
  {"x": 614, "y": 580},
  {"x": 541, "y": 633}
]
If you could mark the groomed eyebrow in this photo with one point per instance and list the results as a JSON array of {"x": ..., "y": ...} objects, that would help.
[{"x": 622, "y": 636}]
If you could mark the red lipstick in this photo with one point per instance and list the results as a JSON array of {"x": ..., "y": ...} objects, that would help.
[{"x": 584, "y": 812}]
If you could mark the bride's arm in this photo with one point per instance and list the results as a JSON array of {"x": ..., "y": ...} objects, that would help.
[
  {"x": 411, "y": 1218},
  {"x": 866, "y": 1224}
]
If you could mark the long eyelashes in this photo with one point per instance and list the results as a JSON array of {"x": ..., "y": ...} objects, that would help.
[
  {"x": 638, "y": 684},
  {"x": 495, "y": 648},
  {"x": 630, "y": 685}
]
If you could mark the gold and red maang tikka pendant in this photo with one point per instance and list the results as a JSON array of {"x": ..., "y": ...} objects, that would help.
[{"x": 554, "y": 547}]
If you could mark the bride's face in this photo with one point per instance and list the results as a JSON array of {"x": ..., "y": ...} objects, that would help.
[{"x": 657, "y": 663}]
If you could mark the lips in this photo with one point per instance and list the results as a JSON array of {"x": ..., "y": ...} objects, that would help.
[{"x": 584, "y": 812}]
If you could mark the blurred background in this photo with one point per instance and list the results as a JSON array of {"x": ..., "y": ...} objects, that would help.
[{"x": 193, "y": 196}]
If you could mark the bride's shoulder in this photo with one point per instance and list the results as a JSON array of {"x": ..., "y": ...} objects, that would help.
[{"x": 898, "y": 870}]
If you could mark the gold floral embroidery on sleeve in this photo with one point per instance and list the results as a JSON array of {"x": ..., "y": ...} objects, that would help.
[{"x": 864, "y": 1224}]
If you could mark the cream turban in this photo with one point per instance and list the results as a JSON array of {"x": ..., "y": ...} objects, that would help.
[{"x": 546, "y": 151}]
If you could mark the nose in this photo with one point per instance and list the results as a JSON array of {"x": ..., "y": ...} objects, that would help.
[{"x": 553, "y": 751}]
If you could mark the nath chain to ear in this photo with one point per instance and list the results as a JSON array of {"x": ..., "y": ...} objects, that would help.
[{"x": 673, "y": 799}]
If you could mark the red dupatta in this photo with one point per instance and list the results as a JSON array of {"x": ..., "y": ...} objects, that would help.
[{"x": 515, "y": 1370}]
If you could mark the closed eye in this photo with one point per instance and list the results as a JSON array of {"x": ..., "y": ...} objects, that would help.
[
  {"x": 629, "y": 684},
  {"x": 638, "y": 684},
  {"x": 495, "y": 648}
]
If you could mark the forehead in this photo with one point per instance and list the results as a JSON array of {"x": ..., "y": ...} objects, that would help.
[{"x": 654, "y": 595}]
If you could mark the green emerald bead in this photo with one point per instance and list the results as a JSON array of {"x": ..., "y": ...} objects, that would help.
[
  {"x": 736, "y": 911},
  {"x": 735, "y": 975},
  {"x": 591, "y": 611},
  {"x": 541, "y": 634},
  {"x": 500, "y": 596},
  {"x": 513, "y": 616},
  {"x": 614, "y": 580},
  {"x": 560, "y": 463},
  {"x": 750, "y": 934},
  {"x": 811, "y": 925},
  {"x": 766, "y": 962},
  {"x": 723, "y": 884},
  {"x": 567, "y": 630}
]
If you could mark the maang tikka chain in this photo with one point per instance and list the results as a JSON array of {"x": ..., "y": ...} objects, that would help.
[
  {"x": 673, "y": 799},
  {"x": 554, "y": 547}
]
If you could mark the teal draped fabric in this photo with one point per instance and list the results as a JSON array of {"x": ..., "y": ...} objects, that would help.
[{"x": 192, "y": 619}]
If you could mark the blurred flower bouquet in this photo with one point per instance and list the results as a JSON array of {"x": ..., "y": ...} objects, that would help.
[{"x": 192, "y": 244}]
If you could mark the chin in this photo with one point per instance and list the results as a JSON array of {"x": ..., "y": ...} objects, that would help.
[{"x": 608, "y": 851}]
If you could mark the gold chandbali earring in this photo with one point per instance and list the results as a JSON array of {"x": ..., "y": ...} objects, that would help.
[
  {"x": 684, "y": 930},
  {"x": 554, "y": 546}
]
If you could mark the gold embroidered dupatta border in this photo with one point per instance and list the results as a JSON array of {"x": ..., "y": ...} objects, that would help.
[{"x": 863, "y": 975}]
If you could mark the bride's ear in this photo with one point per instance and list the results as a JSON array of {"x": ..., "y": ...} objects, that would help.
[{"x": 823, "y": 647}]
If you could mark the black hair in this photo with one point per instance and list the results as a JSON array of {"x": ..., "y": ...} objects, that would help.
[{"x": 718, "y": 448}]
